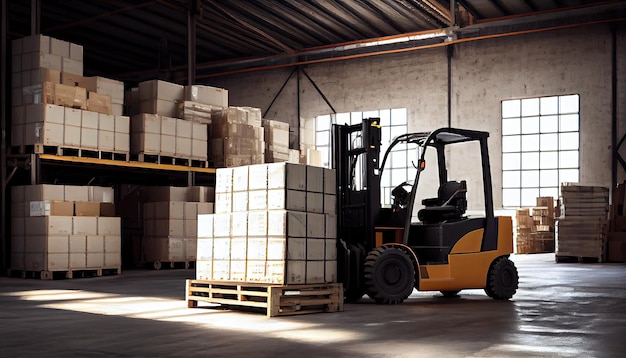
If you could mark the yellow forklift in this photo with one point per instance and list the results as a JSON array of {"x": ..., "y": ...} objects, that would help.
[{"x": 383, "y": 254}]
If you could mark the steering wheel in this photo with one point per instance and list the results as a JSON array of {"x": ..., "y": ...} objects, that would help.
[{"x": 400, "y": 195}]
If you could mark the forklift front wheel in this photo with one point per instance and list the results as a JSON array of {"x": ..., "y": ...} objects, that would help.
[
  {"x": 389, "y": 275},
  {"x": 502, "y": 279}
]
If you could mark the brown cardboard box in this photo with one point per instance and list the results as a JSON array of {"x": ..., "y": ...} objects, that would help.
[
  {"x": 69, "y": 96},
  {"x": 70, "y": 79},
  {"x": 86, "y": 208},
  {"x": 51, "y": 208},
  {"x": 107, "y": 209},
  {"x": 84, "y": 225},
  {"x": 100, "y": 103}
]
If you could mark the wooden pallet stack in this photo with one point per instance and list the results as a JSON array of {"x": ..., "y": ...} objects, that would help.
[
  {"x": 535, "y": 227},
  {"x": 582, "y": 232},
  {"x": 616, "y": 245}
]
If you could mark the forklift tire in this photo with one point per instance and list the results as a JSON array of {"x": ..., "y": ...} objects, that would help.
[
  {"x": 502, "y": 279},
  {"x": 389, "y": 275},
  {"x": 448, "y": 294}
]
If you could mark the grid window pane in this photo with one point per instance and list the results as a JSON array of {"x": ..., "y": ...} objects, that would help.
[
  {"x": 385, "y": 115},
  {"x": 322, "y": 123},
  {"x": 342, "y": 118},
  {"x": 398, "y": 116},
  {"x": 511, "y": 143},
  {"x": 540, "y": 147},
  {"x": 511, "y": 108},
  {"x": 322, "y": 138}
]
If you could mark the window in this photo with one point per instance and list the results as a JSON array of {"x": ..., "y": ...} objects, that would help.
[
  {"x": 393, "y": 123},
  {"x": 540, "y": 147}
]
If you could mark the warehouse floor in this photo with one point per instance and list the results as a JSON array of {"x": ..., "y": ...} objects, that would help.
[{"x": 561, "y": 310}]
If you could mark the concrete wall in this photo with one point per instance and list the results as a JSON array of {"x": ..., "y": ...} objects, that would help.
[{"x": 572, "y": 61}]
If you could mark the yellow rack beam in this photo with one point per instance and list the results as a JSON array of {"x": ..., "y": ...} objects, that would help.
[{"x": 117, "y": 163}]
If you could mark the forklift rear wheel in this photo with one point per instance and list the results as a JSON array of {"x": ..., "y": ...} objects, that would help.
[
  {"x": 502, "y": 279},
  {"x": 450, "y": 293},
  {"x": 157, "y": 265},
  {"x": 389, "y": 275}
]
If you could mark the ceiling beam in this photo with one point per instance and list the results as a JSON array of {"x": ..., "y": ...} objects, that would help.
[
  {"x": 472, "y": 10},
  {"x": 98, "y": 17}
]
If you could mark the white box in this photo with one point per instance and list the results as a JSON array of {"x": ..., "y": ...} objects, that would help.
[
  {"x": 331, "y": 249},
  {"x": 257, "y": 177},
  {"x": 276, "y": 248},
  {"x": 223, "y": 203},
  {"x": 109, "y": 226},
  {"x": 191, "y": 248},
  {"x": 59, "y": 47},
  {"x": 315, "y": 249},
  {"x": 47, "y": 243},
  {"x": 106, "y": 140},
  {"x": 168, "y": 125},
  {"x": 314, "y": 179},
  {"x": 148, "y": 143},
  {"x": 89, "y": 138},
  {"x": 76, "y": 52},
  {"x": 95, "y": 260},
  {"x": 256, "y": 271},
  {"x": 221, "y": 270},
  {"x": 257, "y": 223},
  {"x": 199, "y": 131},
  {"x": 84, "y": 225},
  {"x": 168, "y": 145},
  {"x": 43, "y": 192},
  {"x": 315, "y": 225},
  {"x": 286, "y": 175},
  {"x": 204, "y": 249},
  {"x": 296, "y": 248},
  {"x": 95, "y": 243},
  {"x": 315, "y": 272},
  {"x": 190, "y": 228},
  {"x": 121, "y": 142},
  {"x": 49, "y": 133},
  {"x": 330, "y": 181},
  {"x": 237, "y": 270},
  {"x": 239, "y": 224},
  {"x": 78, "y": 244},
  {"x": 221, "y": 248},
  {"x": 101, "y": 194},
  {"x": 221, "y": 225},
  {"x": 106, "y": 122},
  {"x": 112, "y": 259},
  {"x": 257, "y": 199},
  {"x": 240, "y": 178},
  {"x": 331, "y": 226},
  {"x": 76, "y": 192},
  {"x": 296, "y": 272},
  {"x": 286, "y": 199},
  {"x": 204, "y": 270},
  {"x": 158, "y": 106},
  {"x": 199, "y": 149},
  {"x": 77, "y": 260},
  {"x": 240, "y": 201},
  {"x": 258, "y": 248},
  {"x": 238, "y": 248},
  {"x": 157, "y": 89},
  {"x": 48, "y": 225},
  {"x": 90, "y": 119},
  {"x": 315, "y": 202},
  {"x": 122, "y": 124},
  {"x": 146, "y": 123},
  {"x": 54, "y": 114},
  {"x": 205, "y": 208},
  {"x": 330, "y": 204},
  {"x": 286, "y": 223},
  {"x": 71, "y": 136},
  {"x": 223, "y": 180},
  {"x": 205, "y": 226},
  {"x": 212, "y": 96},
  {"x": 73, "y": 117},
  {"x": 72, "y": 66},
  {"x": 183, "y": 128},
  {"x": 183, "y": 147}
]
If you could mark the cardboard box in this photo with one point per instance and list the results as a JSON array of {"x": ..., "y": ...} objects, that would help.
[
  {"x": 286, "y": 175},
  {"x": 204, "y": 249},
  {"x": 121, "y": 142},
  {"x": 106, "y": 122},
  {"x": 224, "y": 202},
  {"x": 157, "y": 89},
  {"x": 69, "y": 96},
  {"x": 158, "y": 106},
  {"x": 315, "y": 226},
  {"x": 90, "y": 120},
  {"x": 221, "y": 249},
  {"x": 184, "y": 128},
  {"x": 315, "y": 202},
  {"x": 330, "y": 181},
  {"x": 122, "y": 124},
  {"x": 112, "y": 243},
  {"x": 183, "y": 147},
  {"x": 170, "y": 227},
  {"x": 169, "y": 210},
  {"x": 331, "y": 271},
  {"x": 95, "y": 243},
  {"x": 71, "y": 79},
  {"x": 106, "y": 86},
  {"x": 330, "y": 226},
  {"x": 145, "y": 123},
  {"x": 314, "y": 179},
  {"x": 199, "y": 131},
  {"x": 78, "y": 244},
  {"x": 207, "y": 95},
  {"x": 258, "y": 223},
  {"x": 48, "y": 225},
  {"x": 190, "y": 229},
  {"x": 18, "y": 226},
  {"x": 53, "y": 113},
  {"x": 199, "y": 149},
  {"x": 238, "y": 248},
  {"x": 44, "y": 133},
  {"x": 59, "y": 47},
  {"x": 281, "y": 199},
  {"x": 47, "y": 243},
  {"x": 205, "y": 208},
  {"x": 109, "y": 226},
  {"x": 239, "y": 224},
  {"x": 204, "y": 270},
  {"x": 257, "y": 199},
  {"x": 286, "y": 223},
  {"x": 315, "y": 272},
  {"x": 95, "y": 260},
  {"x": 76, "y": 52},
  {"x": 224, "y": 180},
  {"x": 71, "y": 136},
  {"x": 164, "y": 193},
  {"x": 112, "y": 259},
  {"x": 76, "y": 193},
  {"x": 84, "y": 225},
  {"x": 616, "y": 247},
  {"x": 86, "y": 208},
  {"x": 51, "y": 208},
  {"x": 146, "y": 143},
  {"x": 257, "y": 176},
  {"x": 221, "y": 270},
  {"x": 77, "y": 260},
  {"x": 46, "y": 262},
  {"x": 315, "y": 249},
  {"x": 168, "y": 126},
  {"x": 69, "y": 65},
  {"x": 168, "y": 145},
  {"x": 43, "y": 192},
  {"x": 35, "y": 43},
  {"x": 101, "y": 194},
  {"x": 106, "y": 141},
  {"x": 89, "y": 138}
]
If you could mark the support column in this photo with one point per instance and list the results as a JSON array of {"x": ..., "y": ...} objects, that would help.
[
  {"x": 192, "y": 18},
  {"x": 4, "y": 88}
]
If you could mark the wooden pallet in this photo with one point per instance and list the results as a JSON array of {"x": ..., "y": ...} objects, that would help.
[
  {"x": 70, "y": 151},
  {"x": 276, "y": 300},
  {"x": 575, "y": 259},
  {"x": 60, "y": 274},
  {"x": 164, "y": 159}
]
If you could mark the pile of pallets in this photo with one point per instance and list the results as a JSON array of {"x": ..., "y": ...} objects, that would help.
[{"x": 582, "y": 232}]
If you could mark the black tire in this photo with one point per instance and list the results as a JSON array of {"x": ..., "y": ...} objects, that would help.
[
  {"x": 454, "y": 293},
  {"x": 351, "y": 296},
  {"x": 502, "y": 279},
  {"x": 389, "y": 275}
]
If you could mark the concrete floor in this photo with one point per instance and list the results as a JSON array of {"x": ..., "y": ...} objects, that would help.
[{"x": 560, "y": 310}]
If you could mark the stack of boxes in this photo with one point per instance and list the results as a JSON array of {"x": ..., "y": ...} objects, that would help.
[
  {"x": 274, "y": 224},
  {"x": 236, "y": 137},
  {"x": 53, "y": 104},
  {"x": 308, "y": 154},
  {"x": 525, "y": 226},
  {"x": 582, "y": 232},
  {"x": 535, "y": 227},
  {"x": 616, "y": 246},
  {"x": 276, "y": 135},
  {"x": 64, "y": 228},
  {"x": 171, "y": 222}
]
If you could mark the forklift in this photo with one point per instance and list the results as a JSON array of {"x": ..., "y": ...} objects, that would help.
[{"x": 381, "y": 252}]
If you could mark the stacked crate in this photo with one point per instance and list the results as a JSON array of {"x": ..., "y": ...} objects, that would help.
[
  {"x": 276, "y": 135},
  {"x": 171, "y": 222},
  {"x": 525, "y": 226},
  {"x": 274, "y": 224},
  {"x": 582, "y": 232},
  {"x": 54, "y": 105},
  {"x": 64, "y": 228},
  {"x": 616, "y": 245},
  {"x": 236, "y": 137},
  {"x": 535, "y": 227}
]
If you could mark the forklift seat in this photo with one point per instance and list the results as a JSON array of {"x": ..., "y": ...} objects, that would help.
[{"x": 450, "y": 203}]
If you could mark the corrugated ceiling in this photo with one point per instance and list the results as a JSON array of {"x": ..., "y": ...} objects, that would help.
[{"x": 132, "y": 40}]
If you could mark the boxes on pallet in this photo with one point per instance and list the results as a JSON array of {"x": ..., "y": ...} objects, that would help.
[
  {"x": 207, "y": 95},
  {"x": 159, "y": 97},
  {"x": 195, "y": 112}
]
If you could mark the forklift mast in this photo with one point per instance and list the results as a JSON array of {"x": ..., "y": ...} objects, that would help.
[{"x": 356, "y": 150}]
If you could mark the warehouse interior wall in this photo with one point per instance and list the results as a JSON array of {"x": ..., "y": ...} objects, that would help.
[{"x": 485, "y": 72}]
